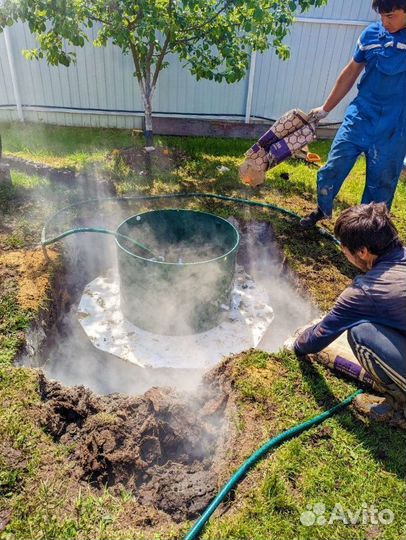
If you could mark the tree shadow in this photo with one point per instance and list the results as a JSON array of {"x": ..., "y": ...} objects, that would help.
[{"x": 385, "y": 443}]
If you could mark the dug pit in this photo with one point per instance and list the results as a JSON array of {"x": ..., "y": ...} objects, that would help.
[
  {"x": 262, "y": 288},
  {"x": 161, "y": 433},
  {"x": 163, "y": 447}
]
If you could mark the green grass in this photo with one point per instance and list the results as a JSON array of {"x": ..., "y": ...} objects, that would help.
[
  {"x": 61, "y": 147},
  {"x": 345, "y": 461},
  {"x": 13, "y": 322},
  {"x": 76, "y": 148}
]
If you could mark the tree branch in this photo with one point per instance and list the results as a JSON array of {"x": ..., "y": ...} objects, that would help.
[
  {"x": 138, "y": 70},
  {"x": 161, "y": 57},
  {"x": 97, "y": 19},
  {"x": 199, "y": 26},
  {"x": 210, "y": 19},
  {"x": 148, "y": 59}
]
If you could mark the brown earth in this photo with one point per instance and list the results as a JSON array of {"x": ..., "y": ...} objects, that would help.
[
  {"x": 163, "y": 447},
  {"x": 141, "y": 161},
  {"x": 29, "y": 270}
]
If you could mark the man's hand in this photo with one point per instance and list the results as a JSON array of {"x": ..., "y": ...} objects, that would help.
[
  {"x": 290, "y": 342},
  {"x": 318, "y": 113}
]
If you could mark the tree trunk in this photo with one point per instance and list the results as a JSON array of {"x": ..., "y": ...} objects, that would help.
[{"x": 148, "y": 131}]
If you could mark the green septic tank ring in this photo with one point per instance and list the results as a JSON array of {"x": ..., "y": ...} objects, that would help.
[{"x": 181, "y": 291}]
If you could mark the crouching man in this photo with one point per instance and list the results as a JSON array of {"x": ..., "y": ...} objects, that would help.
[{"x": 373, "y": 308}]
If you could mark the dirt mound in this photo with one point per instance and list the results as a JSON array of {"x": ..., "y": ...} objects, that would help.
[
  {"x": 160, "y": 446},
  {"x": 141, "y": 161}
]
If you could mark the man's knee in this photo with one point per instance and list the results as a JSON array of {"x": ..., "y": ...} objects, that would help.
[
  {"x": 380, "y": 351},
  {"x": 359, "y": 335}
]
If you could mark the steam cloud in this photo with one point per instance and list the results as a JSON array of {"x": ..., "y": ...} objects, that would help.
[{"x": 72, "y": 359}]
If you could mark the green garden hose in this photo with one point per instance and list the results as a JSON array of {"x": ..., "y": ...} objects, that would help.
[
  {"x": 45, "y": 242},
  {"x": 259, "y": 454},
  {"x": 97, "y": 230}
]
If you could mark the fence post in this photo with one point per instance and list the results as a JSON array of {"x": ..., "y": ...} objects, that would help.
[
  {"x": 251, "y": 79},
  {"x": 14, "y": 81}
]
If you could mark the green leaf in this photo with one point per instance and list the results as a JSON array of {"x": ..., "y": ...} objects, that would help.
[{"x": 210, "y": 36}]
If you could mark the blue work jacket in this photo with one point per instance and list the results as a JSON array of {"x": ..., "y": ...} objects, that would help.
[{"x": 378, "y": 296}]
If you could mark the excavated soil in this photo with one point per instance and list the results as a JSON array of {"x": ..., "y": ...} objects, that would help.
[
  {"x": 164, "y": 447},
  {"x": 141, "y": 161}
]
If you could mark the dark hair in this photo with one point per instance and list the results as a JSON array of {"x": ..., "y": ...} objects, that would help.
[
  {"x": 386, "y": 6},
  {"x": 369, "y": 226}
]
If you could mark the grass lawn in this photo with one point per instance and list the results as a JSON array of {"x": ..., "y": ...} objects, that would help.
[{"x": 346, "y": 461}]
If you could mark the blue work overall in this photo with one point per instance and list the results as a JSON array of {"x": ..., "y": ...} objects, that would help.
[{"x": 374, "y": 123}]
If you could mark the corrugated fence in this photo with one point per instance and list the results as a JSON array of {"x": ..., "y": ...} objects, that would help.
[{"x": 99, "y": 90}]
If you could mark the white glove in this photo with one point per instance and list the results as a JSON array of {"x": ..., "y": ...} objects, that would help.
[
  {"x": 318, "y": 113},
  {"x": 291, "y": 340},
  {"x": 289, "y": 343}
]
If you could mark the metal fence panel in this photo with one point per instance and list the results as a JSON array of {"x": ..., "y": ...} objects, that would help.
[{"x": 101, "y": 81}]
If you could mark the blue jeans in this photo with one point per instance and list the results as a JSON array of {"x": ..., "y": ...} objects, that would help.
[{"x": 381, "y": 351}]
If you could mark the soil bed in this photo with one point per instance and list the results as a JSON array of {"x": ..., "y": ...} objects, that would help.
[{"x": 163, "y": 447}]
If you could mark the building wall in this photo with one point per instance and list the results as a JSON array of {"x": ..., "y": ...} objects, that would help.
[{"x": 99, "y": 90}]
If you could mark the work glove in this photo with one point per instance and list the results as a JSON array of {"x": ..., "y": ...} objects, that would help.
[
  {"x": 317, "y": 114},
  {"x": 289, "y": 343}
]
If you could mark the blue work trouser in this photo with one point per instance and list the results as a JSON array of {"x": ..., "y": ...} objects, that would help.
[
  {"x": 378, "y": 133},
  {"x": 381, "y": 352}
]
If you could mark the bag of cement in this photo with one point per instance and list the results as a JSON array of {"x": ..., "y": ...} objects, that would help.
[
  {"x": 338, "y": 356},
  {"x": 287, "y": 136}
]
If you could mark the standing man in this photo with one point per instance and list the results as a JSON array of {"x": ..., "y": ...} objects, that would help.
[
  {"x": 375, "y": 121},
  {"x": 373, "y": 308}
]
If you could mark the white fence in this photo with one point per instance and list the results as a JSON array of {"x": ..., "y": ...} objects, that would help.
[{"x": 99, "y": 90}]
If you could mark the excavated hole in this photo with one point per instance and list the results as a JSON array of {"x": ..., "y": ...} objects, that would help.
[
  {"x": 162, "y": 434},
  {"x": 162, "y": 446}
]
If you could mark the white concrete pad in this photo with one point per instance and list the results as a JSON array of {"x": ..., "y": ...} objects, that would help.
[{"x": 244, "y": 323}]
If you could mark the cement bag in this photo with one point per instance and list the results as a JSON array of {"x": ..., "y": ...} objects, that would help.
[
  {"x": 338, "y": 356},
  {"x": 286, "y": 136}
]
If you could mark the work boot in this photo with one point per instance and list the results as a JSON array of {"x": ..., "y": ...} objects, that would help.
[
  {"x": 365, "y": 402},
  {"x": 381, "y": 409},
  {"x": 398, "y": 398},
  {"x": 310, "y": 221}
]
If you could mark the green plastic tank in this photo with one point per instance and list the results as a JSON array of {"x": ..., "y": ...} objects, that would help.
[{"x": 182, "y": 289}]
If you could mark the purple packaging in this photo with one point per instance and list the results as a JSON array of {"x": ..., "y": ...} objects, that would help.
[{"x": 353, "y": 370}]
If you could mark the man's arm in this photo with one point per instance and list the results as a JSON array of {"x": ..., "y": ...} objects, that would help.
[
  {"x": 351, "y": 308},
  {"x": 343, "y": 85}
]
